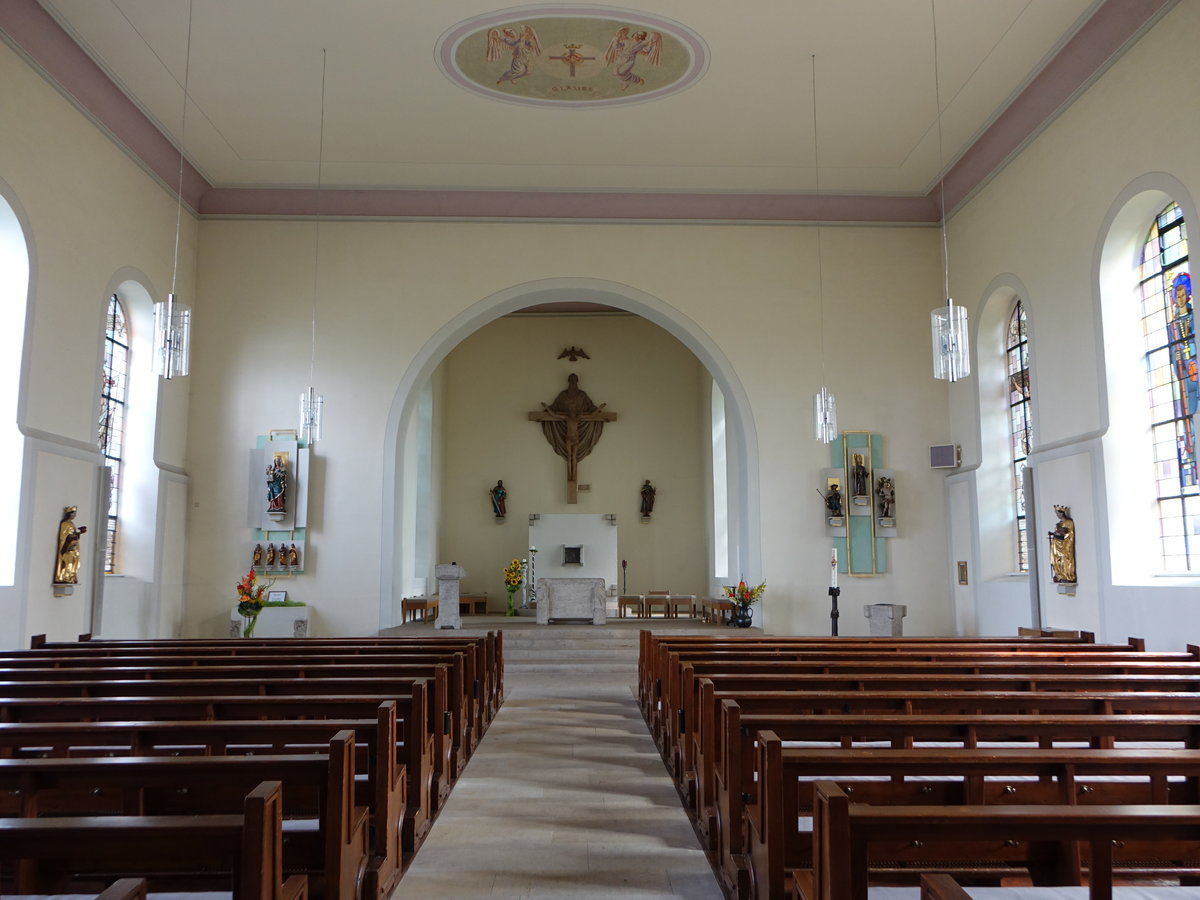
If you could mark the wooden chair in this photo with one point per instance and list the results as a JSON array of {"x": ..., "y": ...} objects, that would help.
[
  {"x": 631, "y": 601},
  {"x": 424, "y": 607},
  {"x": 686, "y": 602},
  {"x": 657, "y": 599}
]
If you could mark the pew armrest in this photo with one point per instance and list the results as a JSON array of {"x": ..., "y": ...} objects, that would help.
[
  {"x": 124, "y": 889},
  {"x": 941, "y": 887}
]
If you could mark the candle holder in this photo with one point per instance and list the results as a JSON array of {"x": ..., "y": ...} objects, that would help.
[{"x": 834, "y": 593}]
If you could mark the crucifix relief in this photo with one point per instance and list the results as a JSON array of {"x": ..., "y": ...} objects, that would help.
[{"x": 572, "y": 424}]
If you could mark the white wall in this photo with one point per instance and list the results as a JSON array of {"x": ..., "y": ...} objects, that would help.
[
  {"x": 93, "y": 216},
  {"x": 1043, "y": 220}
]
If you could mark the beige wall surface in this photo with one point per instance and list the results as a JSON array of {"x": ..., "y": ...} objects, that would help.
[
  {"x": 1041, "y": 222},
  {"x": 651, "y": 381},
  {"x": 385, "y": 290}
]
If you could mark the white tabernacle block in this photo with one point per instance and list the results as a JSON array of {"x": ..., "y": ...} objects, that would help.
[{"x": 571, "y": 598}]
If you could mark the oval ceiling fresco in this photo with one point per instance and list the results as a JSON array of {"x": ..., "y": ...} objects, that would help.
[{"x": 572, "y": 55}]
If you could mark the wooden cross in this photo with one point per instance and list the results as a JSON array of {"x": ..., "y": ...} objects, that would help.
[{"x": 572, "y": 424}]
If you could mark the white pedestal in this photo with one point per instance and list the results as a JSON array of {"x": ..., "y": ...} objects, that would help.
[
  {"x": 885, "y": 619},
  {"x": 448, "y": 577},
  {"x": 273, "y": 622},
  {"x": 572, "y": 598}
]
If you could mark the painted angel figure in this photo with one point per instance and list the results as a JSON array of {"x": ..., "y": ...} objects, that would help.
[
  {"x": 523, "y": 47},
  {"x": 624, "y": 49}
]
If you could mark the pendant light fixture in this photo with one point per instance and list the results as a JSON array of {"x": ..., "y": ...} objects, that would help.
[
  {"x": 173, "y": 320},
  {"x": 824, "y": 404},
  {"x": 951, "y": 343},
  {"x": 312, "y": 404}
]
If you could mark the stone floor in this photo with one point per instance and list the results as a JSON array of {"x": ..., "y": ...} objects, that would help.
[{"x": 567, "y": 797}]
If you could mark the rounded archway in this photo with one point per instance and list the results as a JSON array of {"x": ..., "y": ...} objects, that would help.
[{"x": 401, "y": 469}]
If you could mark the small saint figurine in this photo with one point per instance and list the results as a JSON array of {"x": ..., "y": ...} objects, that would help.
[
  {"x": 257, "y": 558},
  {"x": 833, "y": 501},
  {"x": 270, "y": 555},
  {"x": 498, "y": 494},
  {"x": 293, "y": 557},
  {"x": 1062, "y": 547},
  {"x": 66, "y": 560},
  {"x": 647, "y": 505},
  {"x": 887, "y": 497},
  {"x": 859, "y": 472}
]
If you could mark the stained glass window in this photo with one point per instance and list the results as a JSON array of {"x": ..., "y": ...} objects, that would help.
[
  {"x": 1020, "y": 430},
  {"x": 1168, "y": 330},
  {"x": 114, "y": 388}
]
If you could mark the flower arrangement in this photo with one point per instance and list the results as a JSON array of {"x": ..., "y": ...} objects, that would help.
[
  {"x": 744, "y": 595},
  {"x": 250, "y": 599},
  {"x": 514, "y": 577}
]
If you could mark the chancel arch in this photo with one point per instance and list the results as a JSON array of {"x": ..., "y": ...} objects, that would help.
[{"x": 412, "y": 445}]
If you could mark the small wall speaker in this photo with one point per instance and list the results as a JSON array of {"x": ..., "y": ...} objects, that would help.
[{"x": 945, "y": 456}]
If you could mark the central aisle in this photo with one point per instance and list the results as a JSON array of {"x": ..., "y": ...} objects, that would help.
[{"x": 566, "y": 796}]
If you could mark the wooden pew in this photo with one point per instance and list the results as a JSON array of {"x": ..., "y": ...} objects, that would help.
[
  {"x": 412, "y": 739},
  {"x": 242, "y": 852},
  {"x": 384, "y": 686},
  {"x": 487, "y": 652},
  {"x": 764, "y": 709},
  {"x": 845, "y": 832},
  {"x": 653, "y": 649},
  {"x": 1023, "y": 773},
  {"x": 380, "y": 779},
  {"x": 448, "y": 718},
  {"x": 681, "y": 693},
  {"x": 850, "y": 682},
  {"x": 317, "y": 788}
]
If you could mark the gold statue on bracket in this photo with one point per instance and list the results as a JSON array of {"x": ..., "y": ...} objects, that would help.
[
  {"x": 66, "y": 560},
  {"x": 1062, "y": 547}
]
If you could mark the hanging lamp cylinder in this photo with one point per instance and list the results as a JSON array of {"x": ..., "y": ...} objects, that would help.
[
  {"x": 825, "y": 416},
  {"x": 951, "y": 344},
  {"x": 312, "y": 406},
  {"x": 172, "y": 338}
]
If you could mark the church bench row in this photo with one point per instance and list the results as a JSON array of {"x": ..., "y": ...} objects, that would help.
[
  {"x": 484, "y": 655},
  {"x": 408, "y": 735},
  {"x": 652, "y": 649},
  {"x": 238, "y": 853},
  {"x": 325, "y": 830},
  {"x": 660, "y": 657},
  {"x": 670, "y": 665},
  {"x": 383, "y": 685},
  {"x": 1036, "y": 763},
  {"x": 724, "y": 777},
  {"x": 448, "y": 702},
  {"x": 379, "y": 778},
  {"x": 677, "y": 747},
  {"x": 457, "y": 689},
  {"x": 845, "y": 834},
  {"x": 733, "y": 719}
]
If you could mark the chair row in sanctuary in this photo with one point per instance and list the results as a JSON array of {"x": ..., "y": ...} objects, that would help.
[
  {"x": 366, "y": 737},
  {"x": 748, "y": 727}
]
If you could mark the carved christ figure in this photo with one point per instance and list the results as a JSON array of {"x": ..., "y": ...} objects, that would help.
[{"x": 572, "y": 424}]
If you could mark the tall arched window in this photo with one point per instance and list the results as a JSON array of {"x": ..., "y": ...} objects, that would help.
[
  {"x": 1168, "y": 329},
  {"x": 1020, "y": 429},
  {"x": 114, "y": 388}
]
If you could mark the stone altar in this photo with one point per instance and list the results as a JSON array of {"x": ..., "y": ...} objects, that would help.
[
  {"x": 448, "y": 577},
  {"x": 572, "y": 598}
]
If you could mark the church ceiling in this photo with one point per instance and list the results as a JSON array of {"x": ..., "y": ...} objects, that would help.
[{"x": 678, "y": 98}]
